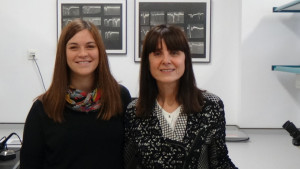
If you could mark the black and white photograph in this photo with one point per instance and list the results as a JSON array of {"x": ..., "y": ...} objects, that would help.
[
  {"x": 193, "y": 16},
  {"x": 109, "y": 16},
  {"x": 175, "y": 17}
]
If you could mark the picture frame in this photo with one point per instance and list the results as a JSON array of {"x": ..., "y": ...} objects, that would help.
[
  {"x": 192, "y": 15},
  {"x": 109, "y": 16}
]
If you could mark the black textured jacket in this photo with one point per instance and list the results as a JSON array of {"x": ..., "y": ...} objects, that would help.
[{"x": 202, "y": 146}]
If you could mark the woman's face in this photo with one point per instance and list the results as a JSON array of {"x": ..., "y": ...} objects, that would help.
[
  {"x": 166, "y": 66},
  {"x": 82, "y": 54}
]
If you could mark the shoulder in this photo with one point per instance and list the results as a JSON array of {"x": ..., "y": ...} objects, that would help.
[
  {"x": 132, "y": 104},
  {"x": 125, "y": 94},
  {"x": 37, "y": 105},
  {"x": 211, "y": 97},
  {"x": 37, "y": 111},
  {"x": 130, "y": 116},
  {"x": 213, "y": 109},
  {"x": 124, "y": 90},
  {"x": 131, "y": 109}
]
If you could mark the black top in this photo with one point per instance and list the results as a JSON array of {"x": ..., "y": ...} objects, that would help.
[{"x": 81, "y": 141}]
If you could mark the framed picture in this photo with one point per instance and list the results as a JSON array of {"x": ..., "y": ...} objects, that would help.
[
  {"x": 108, "y": 15},
  {"x": 193, "y": 16}
]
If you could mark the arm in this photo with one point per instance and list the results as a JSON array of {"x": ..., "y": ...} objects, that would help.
[
  {"x": 32, "y": 151},
  {"x": 130, "y": 149},
  {"x": 218, "y": 150}
]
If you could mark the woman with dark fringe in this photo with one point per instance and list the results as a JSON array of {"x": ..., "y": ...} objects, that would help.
[{"x": 173, "y": 124}]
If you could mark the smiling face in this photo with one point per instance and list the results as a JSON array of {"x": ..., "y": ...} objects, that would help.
[
  {"x": 82, "y": 54},
  {"x": 166, "y": 66}
]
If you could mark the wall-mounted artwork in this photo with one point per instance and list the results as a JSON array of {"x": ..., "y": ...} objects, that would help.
[
  {"x": 193, "y": 16},
  {"x": 108, "y": 15}
]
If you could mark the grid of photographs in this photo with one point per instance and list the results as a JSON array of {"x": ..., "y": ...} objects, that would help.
[
  {"x": 193, "y": 16},
  {"x": 109, "y": 17}
]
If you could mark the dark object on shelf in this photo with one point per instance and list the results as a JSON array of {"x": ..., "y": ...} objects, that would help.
[
  {"x": 6, "y": 154},
  {"x": 294, "y": 132}
]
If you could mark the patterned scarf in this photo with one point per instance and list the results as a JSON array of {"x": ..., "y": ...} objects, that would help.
[{"x": 81, "y": 101}]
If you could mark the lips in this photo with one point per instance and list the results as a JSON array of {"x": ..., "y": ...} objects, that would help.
[
  {"x": 167, "y": 70},
  {"x": 83, "y": 62}
]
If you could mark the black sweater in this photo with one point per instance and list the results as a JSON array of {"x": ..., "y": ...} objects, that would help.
[{"x": 82, "y": 141}]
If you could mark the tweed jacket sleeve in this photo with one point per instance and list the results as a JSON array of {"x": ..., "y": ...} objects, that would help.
[
  {"x": 217, "y": 150},
  {"x": 130, "y": 149}
]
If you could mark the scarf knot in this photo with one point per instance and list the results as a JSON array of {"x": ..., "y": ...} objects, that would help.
[{"x": 82, "y": 101}]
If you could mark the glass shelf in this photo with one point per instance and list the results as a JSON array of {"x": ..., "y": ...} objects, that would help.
[
  {"x": 293, "y": 6},
  {"x": 287, "y": 68}
]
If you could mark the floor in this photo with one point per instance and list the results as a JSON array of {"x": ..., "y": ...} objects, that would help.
[{"x": 265, "y": 149}]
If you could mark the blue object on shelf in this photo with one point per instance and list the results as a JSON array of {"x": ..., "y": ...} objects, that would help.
[
  {"x": 287, "y": 68},
  {"x": 293, "y": 6}
]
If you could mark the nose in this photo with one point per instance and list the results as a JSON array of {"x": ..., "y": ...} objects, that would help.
[
  {"x": 82, "y": 52},
  {"x": 166, "y": 58}
]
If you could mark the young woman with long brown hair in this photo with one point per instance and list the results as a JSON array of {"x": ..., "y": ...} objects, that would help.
[{"x": 77, "y": 122}]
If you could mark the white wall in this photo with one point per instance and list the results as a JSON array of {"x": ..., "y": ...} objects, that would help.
[
  {"x": 246, "y": 39},
  {"x": 24, "y": 25},
  {"x": 268, "y": 98}
]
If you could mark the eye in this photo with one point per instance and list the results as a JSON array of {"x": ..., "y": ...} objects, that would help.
[
  {"x": 156, "y": 53},
  {"x": 175, "y": 52},
  {"x": 91, "y": 46},
  {"x": 72, "y": 47}
]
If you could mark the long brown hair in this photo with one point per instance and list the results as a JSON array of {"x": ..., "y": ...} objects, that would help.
[
  {"x": 188, "y": 94},
  {"x": 54, "y": 98}
]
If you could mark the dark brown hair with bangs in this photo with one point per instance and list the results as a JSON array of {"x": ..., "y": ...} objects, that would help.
[
  {"x": 54, "y": 98},
  {"x": 188, "y": 94}
]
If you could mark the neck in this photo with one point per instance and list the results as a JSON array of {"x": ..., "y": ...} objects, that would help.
[
  {"x": 83, "y": 83},
  {"x": 167, "y": 97}
]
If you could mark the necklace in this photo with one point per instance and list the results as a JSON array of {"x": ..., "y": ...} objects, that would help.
[{"x": 172, "y": 117}]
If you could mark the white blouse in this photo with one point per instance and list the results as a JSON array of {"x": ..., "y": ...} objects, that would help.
[{"x": 172, "y": 117}]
